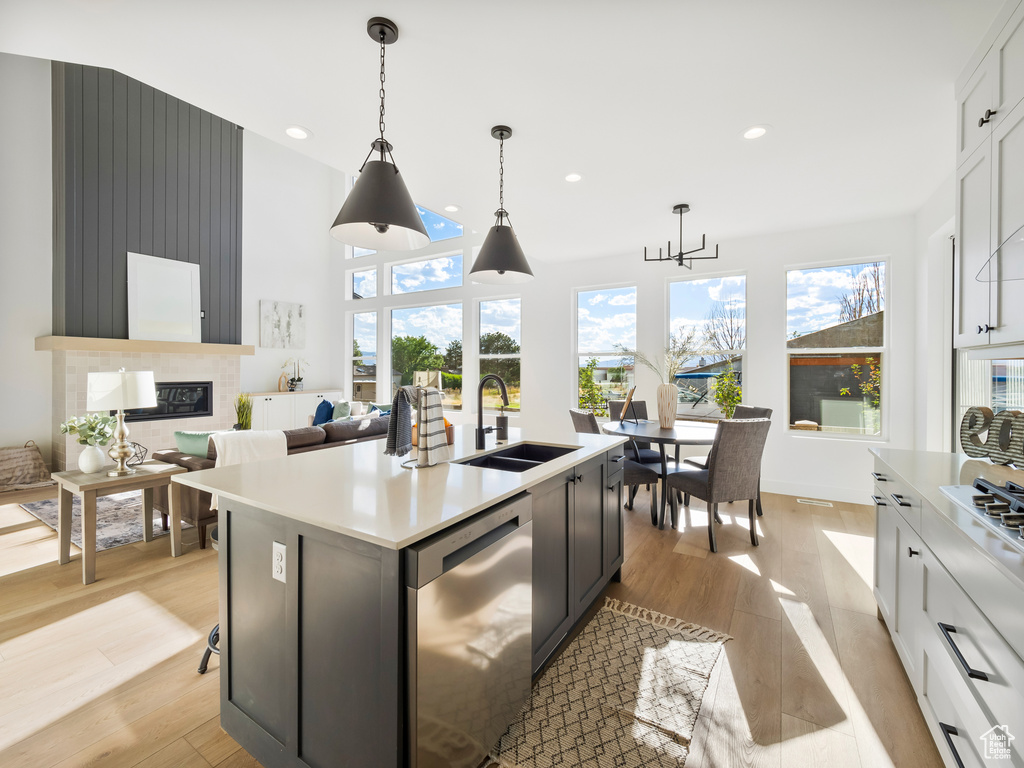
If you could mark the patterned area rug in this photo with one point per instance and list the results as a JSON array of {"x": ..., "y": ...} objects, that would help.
[
  {"x": 118, "y": 519},
  {"x": 624, "y": 694}
]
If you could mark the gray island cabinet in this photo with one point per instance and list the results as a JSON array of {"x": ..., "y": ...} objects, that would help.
[{"x": 316, "y": 553}]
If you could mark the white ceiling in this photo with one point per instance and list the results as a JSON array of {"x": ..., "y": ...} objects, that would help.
[{"x": 647, "y": 99}]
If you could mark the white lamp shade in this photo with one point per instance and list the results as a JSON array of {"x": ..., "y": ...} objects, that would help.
[{"x": 121, "y": 390}]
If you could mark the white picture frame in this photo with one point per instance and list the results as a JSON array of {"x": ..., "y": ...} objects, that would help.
[{"x": 163, "y": 299}]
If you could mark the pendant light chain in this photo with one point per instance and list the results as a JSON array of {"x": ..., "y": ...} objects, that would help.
[
  {"x": 382, "y": 47},
  {"x": 501, "y": 178}
]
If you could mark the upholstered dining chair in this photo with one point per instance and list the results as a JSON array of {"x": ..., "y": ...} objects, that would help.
[
  {"x": 731, "y": 473},
  {"x": 753, "y": 412},
  {"x": 640, "y": 451},
  {"x": 634, "y": 474}
]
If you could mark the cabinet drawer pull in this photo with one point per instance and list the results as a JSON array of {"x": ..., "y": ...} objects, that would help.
[
  {"x": 900, "y": 501},
  {"x": 948, "y": 732},
  {"x": 880, "y": 477},
  {"x": 879, "y": 500},
  {"x": 911, "y": 552},
  {"x": 946, "y": 629},
  {"x": 617, "y": 459},
  {"x": 577, "y": 479},
  {"x": 986, "y": 118},
  {"x": 985, "y": 328}
]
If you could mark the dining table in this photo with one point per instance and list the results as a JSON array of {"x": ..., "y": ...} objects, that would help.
[{"x": 681, "y": 433}]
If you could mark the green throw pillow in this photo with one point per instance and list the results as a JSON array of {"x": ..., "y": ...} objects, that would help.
[
  {"x": 342, "y": 410},
  {"x": 194, "y": 443},
  {"x": 384, "y": 408}
]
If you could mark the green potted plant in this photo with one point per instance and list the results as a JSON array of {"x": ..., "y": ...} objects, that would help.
[
  {"x": 93, "y": 431},
  {"x": 728, "y": 393},
  {"x": 680, "y": 349},
  {"x": 243, "y": 411}
]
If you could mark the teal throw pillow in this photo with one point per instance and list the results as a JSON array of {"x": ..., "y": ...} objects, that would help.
[
  {"x": 194, "y": 443},
  {"x": 342, "y": 410},
  {"x": 384, "y": 408}
]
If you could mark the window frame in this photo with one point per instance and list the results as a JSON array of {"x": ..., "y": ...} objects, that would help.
[
  {"x": 574, "y": 359},
  {"x": 883, "y": 351},
  {"x": 480, "y": 356},
  {"x": 389, "y": 268},
  {"x": 390, "y": 309},
  {"x": 352, "y": 359}
]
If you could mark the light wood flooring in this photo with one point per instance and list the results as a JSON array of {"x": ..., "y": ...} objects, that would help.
[{"x": 104, "y": 675}]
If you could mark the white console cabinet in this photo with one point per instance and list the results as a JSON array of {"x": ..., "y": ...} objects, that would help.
[
  {"x": 287, "y": 410},
  {"x": 951, "y": 593}
]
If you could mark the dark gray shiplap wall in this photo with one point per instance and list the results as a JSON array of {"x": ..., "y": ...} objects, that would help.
[{"x": 138, "y": 170}]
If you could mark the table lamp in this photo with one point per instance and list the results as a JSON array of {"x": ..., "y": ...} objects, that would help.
[{"x": 119, "y": 391}]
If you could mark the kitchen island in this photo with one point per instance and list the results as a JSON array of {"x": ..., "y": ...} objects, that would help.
[{"x": 317, "y": 572}]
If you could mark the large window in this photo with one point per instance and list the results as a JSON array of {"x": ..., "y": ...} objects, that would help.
[
  {"x": 708, "y": 326},
  {"x": 364, "y": 357},
  {"x": 426, "y": 349},
  {"x": 835, "y": 328},
  {"x": 427, "y": 275},
  {"x": 500, "y": 340},
  {"x": 364, "y": 284},
  {"x": 605, "y": 320}
]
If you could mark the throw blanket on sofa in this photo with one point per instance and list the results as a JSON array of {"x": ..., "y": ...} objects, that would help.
[{"x": 246, "y": 446}]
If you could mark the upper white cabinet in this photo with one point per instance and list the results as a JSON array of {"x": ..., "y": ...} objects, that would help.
[
  {"x": 993, "y": 89},
  {"x": 990, "y": 192}
]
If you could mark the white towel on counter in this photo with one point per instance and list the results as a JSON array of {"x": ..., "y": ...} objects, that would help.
[
  {"x": 248, "y": 445},
  {"x": 431, "y": 441}
]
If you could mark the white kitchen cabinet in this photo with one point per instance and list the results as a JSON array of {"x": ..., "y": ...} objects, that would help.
[
  {"x": 287, "y": 410},
  {"x": 997, "y": 85},
  {"x": 885, "y": 557},
  {"x": 1007, "y": 273},
  {"x": 990, "y": 191},
  {"x": 907, "y": 627}
]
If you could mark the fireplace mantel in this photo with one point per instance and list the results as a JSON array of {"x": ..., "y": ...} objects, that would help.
[{"x": 90, "y": 344}]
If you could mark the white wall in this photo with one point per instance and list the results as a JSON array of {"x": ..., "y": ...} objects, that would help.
[
  {"x": 288, "y": 255},
  {"x": 26, "y": 249}
]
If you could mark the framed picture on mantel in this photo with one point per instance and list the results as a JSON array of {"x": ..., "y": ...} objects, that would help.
[{"x": 163, "y": 299}]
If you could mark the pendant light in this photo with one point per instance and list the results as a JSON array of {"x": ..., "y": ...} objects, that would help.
[
  {"x": 379, "y": 213},
  {"x": 501, "y": 260},
  {"x": 682, "y": 258}
]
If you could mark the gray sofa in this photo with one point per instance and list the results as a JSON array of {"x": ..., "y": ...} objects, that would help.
[{"x": 195, "y": 506}]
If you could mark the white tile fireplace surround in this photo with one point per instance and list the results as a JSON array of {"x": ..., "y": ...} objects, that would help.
[{"x": 70, "y": 374}]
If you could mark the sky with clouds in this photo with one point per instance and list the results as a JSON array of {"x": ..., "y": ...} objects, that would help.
[
  {"x": 501, "y": 316},
  {"x": 605, "y": 318},
  {"x": 364, "y": 331},
  {"x": 440, "y": 324},
  {"x": 364, "y": 284},
  {"x": 428, "y": 275},
  {"x": 812, "y": 296},
  {"x": 438, "y": 228},
  {"x": 690, "y": 301}
]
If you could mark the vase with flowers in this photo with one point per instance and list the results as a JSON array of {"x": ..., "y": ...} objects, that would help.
[
  {"x": 94, "y": 430},
  {"x": 681, "y": 347}
]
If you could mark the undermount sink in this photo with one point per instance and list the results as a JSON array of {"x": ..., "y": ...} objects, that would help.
[{"x": 519, "y": 457}]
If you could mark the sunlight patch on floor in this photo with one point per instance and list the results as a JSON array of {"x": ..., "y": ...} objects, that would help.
[
  {"x": 781, "y": 589},
  {"x": 747, "y": 562},
  {"x": 859, "y": 552},
  {"x": 34, "y": 709}
]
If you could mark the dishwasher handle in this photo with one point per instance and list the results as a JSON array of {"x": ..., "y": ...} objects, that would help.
[{"x": 440, "y": 554}]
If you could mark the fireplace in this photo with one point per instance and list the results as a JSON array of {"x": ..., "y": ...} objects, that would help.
[{"x": 176, "y": 400}]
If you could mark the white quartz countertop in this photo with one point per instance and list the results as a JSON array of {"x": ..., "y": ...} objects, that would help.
[
  {"x": 926, "y": 471},
  {"x": 358, "y": 491}
]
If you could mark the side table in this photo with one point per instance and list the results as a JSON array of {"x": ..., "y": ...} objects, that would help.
[{"x": 87, "y": 486}]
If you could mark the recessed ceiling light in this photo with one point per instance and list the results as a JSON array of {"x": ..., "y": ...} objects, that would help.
[
  {"x": 452, "y": 208},
  {"x": 755, "y": 131},
  {"x": 573, "y": 177},
  {"x": 298, "y": 132}
]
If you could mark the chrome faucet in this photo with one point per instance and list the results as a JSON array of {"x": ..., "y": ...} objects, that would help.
[{"x": 480, "y": 430}]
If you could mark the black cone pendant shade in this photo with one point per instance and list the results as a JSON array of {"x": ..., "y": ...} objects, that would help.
[
  {"x": 501, "y": 260},
  {"x": 379, "y": 213}
]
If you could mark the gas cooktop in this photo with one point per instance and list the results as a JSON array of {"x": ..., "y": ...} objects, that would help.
[{"x": 1001, "y": 507}]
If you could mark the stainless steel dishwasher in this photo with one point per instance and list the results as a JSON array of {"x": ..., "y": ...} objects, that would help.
[{"x": 470, "y": 616}]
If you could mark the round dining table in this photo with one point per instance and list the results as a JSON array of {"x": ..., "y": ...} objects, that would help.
[{"x": 650, "y": 431}]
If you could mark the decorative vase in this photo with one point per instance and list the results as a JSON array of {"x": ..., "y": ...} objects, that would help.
[
  {"x": 91, "y": 459},
  {"x": 667, "y": 395}
]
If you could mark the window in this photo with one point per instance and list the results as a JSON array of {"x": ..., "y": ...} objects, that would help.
[
  {"x": 708, "y": 321},
  {"x": 427, "y": 275},
  {"x": 995, "y": 384},
  {"x": 364, "y": 284},
  {"x": 364, "y": 357},
  {"x": 439, "y": 227},
  {"x": 605, "y": 319},
  {"x": 426, "y": 349},
  {"x": 500, "y": 339},
  {"x": 836, "y": 314}
]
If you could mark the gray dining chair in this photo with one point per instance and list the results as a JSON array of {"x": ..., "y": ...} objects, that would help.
[
  {"x": 633, "y": 474},
  {"x": 732, "y": 472},
  {"x": 743, "y": 412},
  {"x": 641, "y": 451}
]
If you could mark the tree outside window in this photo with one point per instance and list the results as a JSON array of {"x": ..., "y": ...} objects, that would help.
[{"x": 500, "y": 350}]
